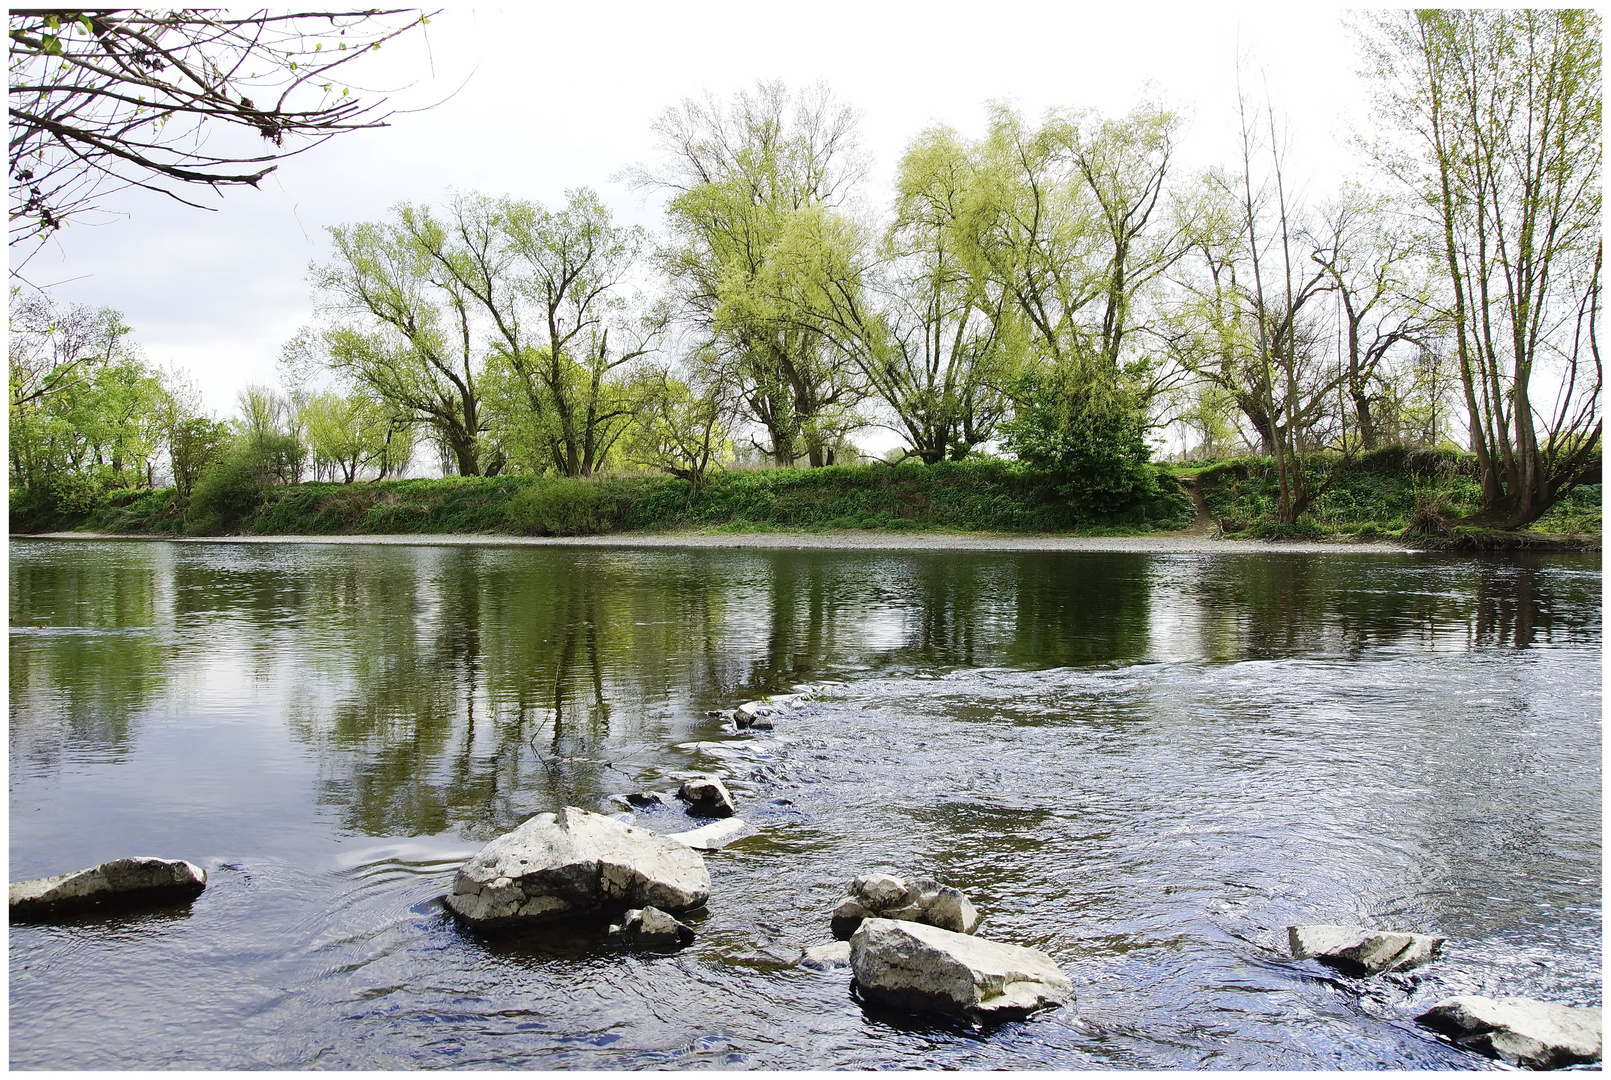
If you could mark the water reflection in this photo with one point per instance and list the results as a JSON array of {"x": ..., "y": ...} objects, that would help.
[{"x": 461, "y": 688}]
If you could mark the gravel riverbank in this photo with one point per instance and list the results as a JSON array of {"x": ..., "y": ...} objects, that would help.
[{"x": 845, "y": 541}]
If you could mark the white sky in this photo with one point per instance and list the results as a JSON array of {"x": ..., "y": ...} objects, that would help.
[{"x": 564, "y": 96}]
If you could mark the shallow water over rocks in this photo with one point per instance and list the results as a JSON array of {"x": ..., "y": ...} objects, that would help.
[{"x": 1145, "y": 765}]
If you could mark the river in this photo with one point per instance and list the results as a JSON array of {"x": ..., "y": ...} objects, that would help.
[{"x": 1145, "y": 764}]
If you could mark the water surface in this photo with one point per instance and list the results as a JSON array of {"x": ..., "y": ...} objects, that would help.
[{"x": 1145, "y": 764}]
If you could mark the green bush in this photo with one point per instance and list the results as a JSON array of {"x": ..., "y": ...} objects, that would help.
[
  {"x": 1090, "y": 435},
  {"x": 565, "y": 506}
]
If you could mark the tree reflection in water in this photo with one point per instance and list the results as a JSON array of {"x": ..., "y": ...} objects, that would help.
[{"x": 462, "y": 688}]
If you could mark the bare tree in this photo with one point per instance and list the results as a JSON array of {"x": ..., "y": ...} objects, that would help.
[{"x": 123, "y": 97}]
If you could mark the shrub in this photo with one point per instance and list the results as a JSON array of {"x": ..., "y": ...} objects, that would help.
[
  {"x": 565, "y": 506},
  {"x": 1091, "y": 436}
]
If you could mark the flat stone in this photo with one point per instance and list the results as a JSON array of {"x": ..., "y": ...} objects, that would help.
[
  {"x": 707, "y": 797},
  {"x": 835, "y": 954},
  {"x": 560, "y": 865},
  {"x": 712, "y": 837},
  {"x": 652, "y": 927},
  {"x": 917, "y": 966},
  {"x": 1355, "y": 950},
  {"x": 1519, "y": 1031},
  {"x": 138, "y": 881}
]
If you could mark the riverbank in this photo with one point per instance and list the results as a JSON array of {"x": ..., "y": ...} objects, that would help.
[
  {"x": 1185, "y": 544},
  {"x": 1373, "y": 500}
]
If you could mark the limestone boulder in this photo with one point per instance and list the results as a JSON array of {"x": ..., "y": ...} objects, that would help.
[
  {"x": 574, "y": 862},
  {"x": 653, "y": 928},
  {"x": 707, "y": 796},
  {"x": 1519, "y": 1031},
  {"x": 1357, "y": 951},
  {"x": 916, "y": 966},
  {"x": 920, "y": 899},
  {"x": 139, "y": 881}
]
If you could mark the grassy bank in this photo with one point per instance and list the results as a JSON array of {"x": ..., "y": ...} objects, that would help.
[
  {"x": 1376, "y": 497},
  {"x": 989, "y": 496}
]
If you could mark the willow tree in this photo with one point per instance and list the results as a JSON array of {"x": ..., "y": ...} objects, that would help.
[
  {"x": 399, "y": 328},
  {"x": 928, "y": 334},
  {"x": 748, "y": 182},
  {"x": 1496, "y": 119},
  {"x": 552, "y": 290}
]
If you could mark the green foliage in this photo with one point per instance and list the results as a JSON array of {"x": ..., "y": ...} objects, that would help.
[
  {"x": 1089, "y": 434},
  {"x": 1378, "y": 493},
  {"x": 236, "y": 486},
  {"x": 567, "y": 506},
  {"x": 195, "y": 444}
]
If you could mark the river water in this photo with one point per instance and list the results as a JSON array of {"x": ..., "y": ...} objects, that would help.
[{"x": 1147, "y": 765}]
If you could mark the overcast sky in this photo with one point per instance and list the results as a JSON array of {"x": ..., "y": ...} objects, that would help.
[{"x": 563, "y": 96}]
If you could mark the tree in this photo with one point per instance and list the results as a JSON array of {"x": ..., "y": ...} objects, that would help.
[
  {"x": 925, "y": 331},
  {"x": 164, "y": 100},
  {"x": 1281, "y": 297},
  {"x": 552, "y": 288},
  {"x": 51, "y": 347},
  {"x": 749, "y": 184},
  {"x": 82, "y": 403},
  {"x": 348, "y": 433},
  {"x": 1072, "y": 220},
  {"x": 1374, "y": 270},
  {"x": 400, "y": 328},
  {"x": 678, "y": 430},
  {"x": 1497, "y": 115}
]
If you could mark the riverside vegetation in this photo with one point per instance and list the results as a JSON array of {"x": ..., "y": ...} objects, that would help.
[
  {"x": 1390, "y": 493},
  {"x": 1060, "y": 291}
]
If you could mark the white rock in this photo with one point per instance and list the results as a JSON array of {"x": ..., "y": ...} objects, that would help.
[
  {"x": 835, "y": 954},
  {"x": 653, "y": 927},
  {"x": 712, "y": 837},
  {"x": 707, "y": 797},
  {"x": 556, "y": 865},
  {"x": 1356, "y": 950},
  {"x": 141, "y": 879},
  {"x": 1519, "y": 1031},
  {"x": 920, "y": 899},
  {"x": 916, "y": 966}
]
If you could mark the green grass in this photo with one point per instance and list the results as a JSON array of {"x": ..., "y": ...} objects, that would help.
[
  {"x": 984, "y": 495},
  {"x": 1371, "y": 498}
]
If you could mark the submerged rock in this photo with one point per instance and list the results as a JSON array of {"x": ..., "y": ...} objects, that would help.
[
  {"x": 707, "y": 797},
  {"x": 1355, "y": 950},
  {"x": 1519, "y": 1031},
  {"x": 921, "y": 899},
  {"x": 647, "y": 800},
  {"x": 652, "y": 927},
  {"x": 916, "y": 966},
  {"x": 557, "y": 865},
  {"x": 141, "y": 880},
  {"x": 835, "y": 954},
  {"x": 712, "y": 837}
]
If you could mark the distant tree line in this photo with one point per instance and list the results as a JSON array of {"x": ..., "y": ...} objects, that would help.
[{"x": 1061, "y": 292}]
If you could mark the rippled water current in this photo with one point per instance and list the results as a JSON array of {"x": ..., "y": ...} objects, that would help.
[{"x": 1146, "y": 765}]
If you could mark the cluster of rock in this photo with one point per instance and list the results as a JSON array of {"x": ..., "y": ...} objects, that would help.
[
  {"x": 139, "y": 881},
  {"x": 1518, "y": 1031},
  {"x": 885, "y": 896},
  {"x": 760, "y": 715},
  {"x": 911, "y": 945}
]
